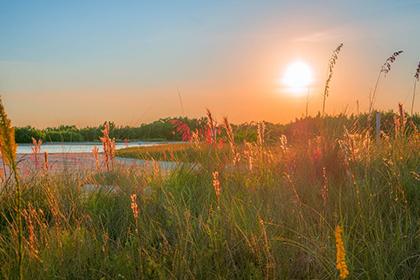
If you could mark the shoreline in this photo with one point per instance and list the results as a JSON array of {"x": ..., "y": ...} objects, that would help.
[{"x": 82, "y": 161}]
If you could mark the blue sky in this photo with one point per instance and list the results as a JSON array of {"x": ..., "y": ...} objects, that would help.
[{"x": 85, "y": 61}]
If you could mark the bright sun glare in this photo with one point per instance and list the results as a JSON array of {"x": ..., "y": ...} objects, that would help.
[{"x": 298, "y": 77}]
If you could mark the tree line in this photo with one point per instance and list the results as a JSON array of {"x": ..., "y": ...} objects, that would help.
[
  {"x": 160, "y": 130},
  {"x": 164, "y": 130}
]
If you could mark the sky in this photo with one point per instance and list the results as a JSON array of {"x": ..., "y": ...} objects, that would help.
[{"x": 84, "y": 62}]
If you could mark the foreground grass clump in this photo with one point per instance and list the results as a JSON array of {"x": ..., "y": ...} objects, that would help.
[{"x": 253, "y": 211}]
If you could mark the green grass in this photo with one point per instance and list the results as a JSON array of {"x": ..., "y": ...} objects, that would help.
[
  {"x": 173, "y": 151},
  {"x": 271, "y": 222},
  {"x": 179, "y": 152}
]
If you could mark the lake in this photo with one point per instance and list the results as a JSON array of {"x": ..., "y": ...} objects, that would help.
[{"x": 78, "y": 147}]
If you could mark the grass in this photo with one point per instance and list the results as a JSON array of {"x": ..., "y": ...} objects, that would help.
[
  {"x": 159, "y": 152},
  {"x": 276, "y": 216},
  {"x": 180, "y": 152}
]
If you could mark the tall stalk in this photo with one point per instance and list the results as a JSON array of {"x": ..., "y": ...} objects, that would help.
[
  {"x": 373, "y": 94},
  {"x": 19, "y": 219},
  {"x": 8, "y": 150},
  {"x": 307, "y": 103},
  {"x": 416, "y": 79},
  {"x": 331, "y": 65},
  {"x": 385, "y": 68}
]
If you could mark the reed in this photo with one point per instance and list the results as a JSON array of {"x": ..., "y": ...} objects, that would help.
[
  {"x": 340, "y": 253},
  {"x": 229, "y": 133},
  {"x": 332, "y": 62},
  {"x": 46, "y": 163},
  {"x": 137, "y": 248},
  {"x": 216, "y": 185},
  {"x": 324, "y": 188},
  {"x": 211, "y": 132},
  {"x": 30, "y": 215},
  {"x": 385, "y": 68},
  {"x": 108, "y": 145},
  {"x": 36, "y": 149},
  {"x": 8, "y": 150},
  {"x": 95, "y": 153},
  {"x": 416, "y": 79},
  {"x": 231, "y": 141}
]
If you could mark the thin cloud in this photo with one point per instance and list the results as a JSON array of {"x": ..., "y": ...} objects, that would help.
[
  {"x": 316, "y": 37},
  {"x": 342, "y": 33}
]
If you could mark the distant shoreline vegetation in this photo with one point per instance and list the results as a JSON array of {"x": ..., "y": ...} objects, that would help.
[{"x": 164, "y": 130}]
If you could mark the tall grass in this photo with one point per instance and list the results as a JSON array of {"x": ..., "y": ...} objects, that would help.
[
  {"x": 332, "y": 62},
  {"x": 385, "y": 68},
  {"x": 416, "y": 79},
  {"x": 8, "y": 150},
  {"x": 332, "y": 205}
]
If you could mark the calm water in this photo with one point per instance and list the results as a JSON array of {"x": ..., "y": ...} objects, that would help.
[{"x": 84, "y": 147}]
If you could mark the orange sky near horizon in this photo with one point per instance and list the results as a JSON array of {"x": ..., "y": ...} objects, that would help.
[
  {"x": 234, "y": 72},
  {"x": 253, "y": 94}
]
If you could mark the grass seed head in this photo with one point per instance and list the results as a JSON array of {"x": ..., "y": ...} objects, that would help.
[
  {"x": 417, "y": 74},
  {"x": 340, "y": 253},
  {"x": 46, "y": 165},
  {"x": 134, "y": 206},
  {"x": 216, "y": 185},
  {"x": 7, "y": 137},
  {"x": 386, "y": 67}
]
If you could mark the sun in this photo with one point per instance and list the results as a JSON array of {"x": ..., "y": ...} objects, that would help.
[{"x": 297, "y": 77}]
